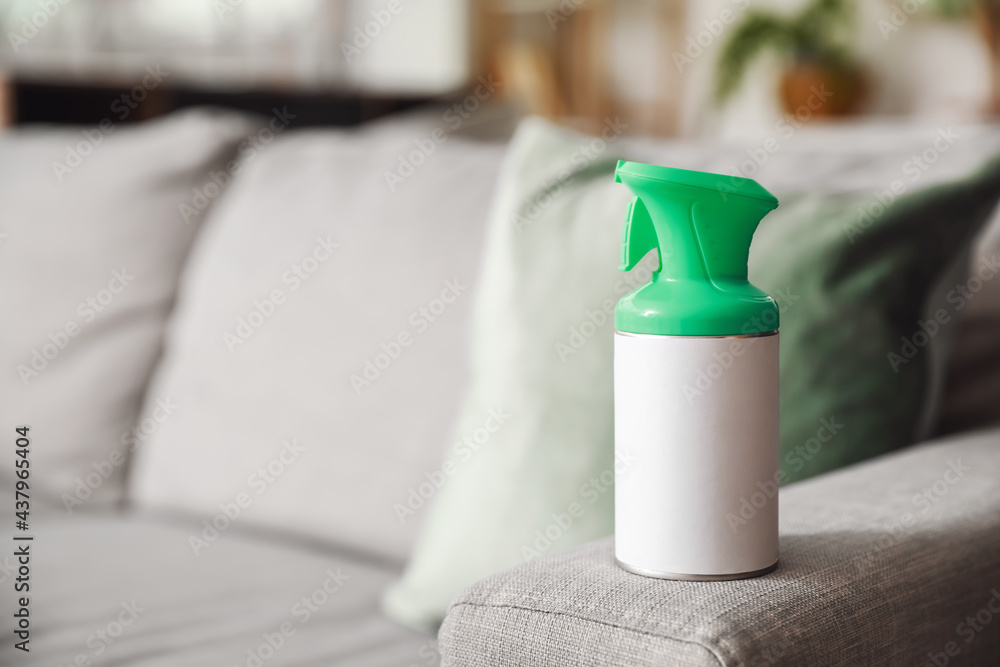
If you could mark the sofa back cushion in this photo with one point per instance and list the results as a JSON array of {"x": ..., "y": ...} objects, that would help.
[
  {"x": 971, "y": 396},
  {"x": 317, "y": 353},
  {"x": 92, "y": 240}
]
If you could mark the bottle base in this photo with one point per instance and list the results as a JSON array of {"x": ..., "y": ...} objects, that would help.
[{"x": 696, "y": 577}]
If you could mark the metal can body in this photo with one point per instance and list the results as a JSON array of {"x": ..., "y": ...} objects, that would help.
[{"x": 697, "y": 420}]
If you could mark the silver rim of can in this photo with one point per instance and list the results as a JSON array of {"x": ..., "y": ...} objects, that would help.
[
  {"x": 763, "y": 334},
  {"x": 696, "y": 577}
]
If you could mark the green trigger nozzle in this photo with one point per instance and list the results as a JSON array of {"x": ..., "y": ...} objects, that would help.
[{"x": 701, "y": 226}]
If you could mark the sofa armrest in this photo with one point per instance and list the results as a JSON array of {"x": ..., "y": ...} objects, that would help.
[{"x": 896, "y": 561}]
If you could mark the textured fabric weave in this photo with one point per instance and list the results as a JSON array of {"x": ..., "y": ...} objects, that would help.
[{"x": 882, "y": 563}]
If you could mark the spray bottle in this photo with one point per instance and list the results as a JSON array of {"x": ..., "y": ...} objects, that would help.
[{"x": 696, "y": 382}]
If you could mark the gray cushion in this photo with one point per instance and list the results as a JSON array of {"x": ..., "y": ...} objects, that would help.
[
  {"x": 396, "y": 293},
  {"x": 209, "y": 609},
  {"x": 89, "y": 264},
  {"x": 881, "y": 563}
]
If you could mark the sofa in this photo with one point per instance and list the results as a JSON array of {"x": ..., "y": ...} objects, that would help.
[{"x": 236, "y": 345}]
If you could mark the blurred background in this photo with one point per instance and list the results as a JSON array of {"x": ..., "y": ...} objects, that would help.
[
  {"x": 719, "y": 68},
  {"x": 470, "y": 281}
]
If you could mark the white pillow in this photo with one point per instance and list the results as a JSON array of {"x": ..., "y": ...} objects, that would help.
[
  {"x": 92, "y": 240},
  {"x": 278, "y": 423}
]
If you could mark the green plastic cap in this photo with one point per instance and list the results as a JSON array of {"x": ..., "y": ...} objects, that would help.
[{"x": 701, "y": 226}]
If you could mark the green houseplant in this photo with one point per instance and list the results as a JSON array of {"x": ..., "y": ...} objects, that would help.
[{"x": 814, "y": 46}]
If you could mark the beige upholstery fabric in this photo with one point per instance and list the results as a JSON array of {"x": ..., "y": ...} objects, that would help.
[{"x": 882, "y": 563}]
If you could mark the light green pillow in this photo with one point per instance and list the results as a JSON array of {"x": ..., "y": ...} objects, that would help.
[{"x": 542, "y": 350}]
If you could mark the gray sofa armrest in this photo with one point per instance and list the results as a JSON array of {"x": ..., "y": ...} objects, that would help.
[{"x": 896, "y": 561}]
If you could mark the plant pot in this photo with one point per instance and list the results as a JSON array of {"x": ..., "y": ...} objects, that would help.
[
  {"x": 987, "y": 17},
  {"x": 814, "y": 90}
]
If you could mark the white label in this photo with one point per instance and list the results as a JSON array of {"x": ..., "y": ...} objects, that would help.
[{"x": 699, "y": 417}]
